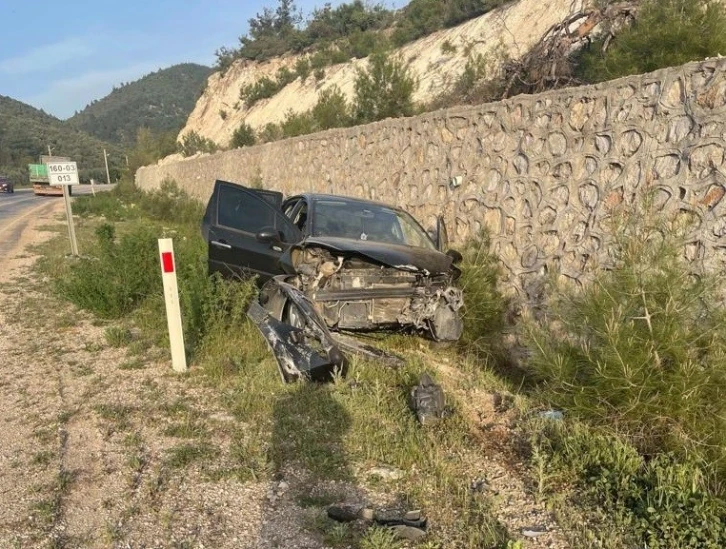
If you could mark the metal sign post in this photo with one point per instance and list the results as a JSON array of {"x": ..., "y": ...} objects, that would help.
[
  {"x": 65, "y": 174},
  {"x": 173, "y": 310}
]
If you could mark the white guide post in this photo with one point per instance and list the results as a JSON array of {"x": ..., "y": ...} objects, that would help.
[{"x": 173, "y": 311}]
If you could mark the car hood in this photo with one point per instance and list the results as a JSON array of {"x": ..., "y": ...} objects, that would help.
[{"x": 406, "y": 258}]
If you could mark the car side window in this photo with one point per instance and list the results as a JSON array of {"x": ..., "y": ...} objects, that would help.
[
  {"x": 289, "y": 207},
  {"x": 300, "y": 216},
  {"x": 237, "y": 210}
]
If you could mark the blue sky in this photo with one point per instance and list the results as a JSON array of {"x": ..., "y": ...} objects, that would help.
[{"x": 61, "y": 55}]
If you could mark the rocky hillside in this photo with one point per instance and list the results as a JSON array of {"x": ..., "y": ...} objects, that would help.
[{"x": 436, "y": 60}]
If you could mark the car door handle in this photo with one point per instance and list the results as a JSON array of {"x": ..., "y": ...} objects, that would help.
[
  {"x": 220, "y": 244},
  {"x": 277, "y": 248}
]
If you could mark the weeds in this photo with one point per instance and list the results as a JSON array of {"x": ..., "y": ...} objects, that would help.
[
  {"x": 186, "y": 454},
  {"x": 665, "y": 501},
  {"x": 117, "y": 336}
]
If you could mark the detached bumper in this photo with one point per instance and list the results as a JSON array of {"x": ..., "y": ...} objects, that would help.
[{"x": 309, "y": 351}]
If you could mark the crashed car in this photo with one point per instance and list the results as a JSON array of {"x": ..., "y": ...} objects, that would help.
[
  {"x": 6, "y": 186},
  {"x": 330, "y": 263}
]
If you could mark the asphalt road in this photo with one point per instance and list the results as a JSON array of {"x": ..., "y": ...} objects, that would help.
[{"x": 17, "y": 209}]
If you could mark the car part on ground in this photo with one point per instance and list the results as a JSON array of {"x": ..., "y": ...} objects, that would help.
[
  {"x": 427, "y": 400},
  {"x": 299, "y": 339}
]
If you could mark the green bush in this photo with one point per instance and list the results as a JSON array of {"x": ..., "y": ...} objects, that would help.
[
  {"x": 302, "y": 68},
  {"x": 331, "y": 110},
  {"x": 193, "y": 143},
  {"x": 664, "y": 501},
  {"x": 119, "y": 276},
  {"x": 665, "y": 33},
  {"x": 296, "y": 124},
  {"x": 270, "y": 132},
  {"x": 264, "y": 88},
  {"x": 642, "y": 350},
  {"x": 285, "y": 76},
  {"x": 148, "y": 148},
  {"x": 384, "y": 90},
  {"x": 484, "y": 305},
  {"x": 243, "y": 136},
  {"x": 127, "y": 201}
]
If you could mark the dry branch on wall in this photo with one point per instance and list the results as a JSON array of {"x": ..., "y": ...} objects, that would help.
[{"x": 549, "y": 64}]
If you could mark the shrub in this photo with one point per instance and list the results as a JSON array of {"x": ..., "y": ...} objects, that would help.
[
  {"x": 264, "y": 88},
  {"x": 243, "y": 136},
  {"x": 447, "y": 48},
  {"x": 484, "y": 304},
  {"x": 331, "y": 110},
  {"x": 121, "y": 275},
  {"x": 193, "y": 143},
  {"x": 296, "y": 124},
  {"x": 642, "y": 350},
  {"x": 664, "y": 501},
  {"x": 665, "y": 33},
  {"x": 270, "y": 132},
  {"x": 148, "y": 148},
  {"x": 284, "y": 77},
  {"x": 363, "y": 44},
  {"x": 384, "y": 90},
  {"x": 302, "y": 68}
]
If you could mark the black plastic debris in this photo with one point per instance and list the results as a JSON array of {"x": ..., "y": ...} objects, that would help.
[{"x": 427, "y": 400}]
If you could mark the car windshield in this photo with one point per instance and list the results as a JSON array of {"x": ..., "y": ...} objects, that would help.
[{"x": 370, "y": 222}]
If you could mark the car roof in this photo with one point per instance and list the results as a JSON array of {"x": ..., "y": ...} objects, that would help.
[{"x": 316, "y": 197}]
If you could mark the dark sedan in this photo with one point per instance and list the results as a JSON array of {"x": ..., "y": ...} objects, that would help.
[
  {"x": 6, "y": 186},
  {"x": 351, "y": 264}
]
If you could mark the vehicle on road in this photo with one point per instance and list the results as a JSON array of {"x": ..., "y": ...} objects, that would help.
[
  {"x": 38, "y": 175},
  {"x": 6, "y": 186},
  {"x": 332, "y": 263}
]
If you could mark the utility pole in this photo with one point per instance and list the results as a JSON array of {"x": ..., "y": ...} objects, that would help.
[
  {"x": 49, "y": 151},
  {"x": 105, "y": 161}
]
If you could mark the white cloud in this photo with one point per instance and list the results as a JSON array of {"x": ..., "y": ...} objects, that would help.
[
  {"x": 48, "y": 56},
  {"x": 63, "y": 97}
]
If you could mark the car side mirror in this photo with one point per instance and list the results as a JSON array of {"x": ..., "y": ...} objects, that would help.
[
  {"x": 269, "y": 235},
  {"x": 455, "y": 256}
]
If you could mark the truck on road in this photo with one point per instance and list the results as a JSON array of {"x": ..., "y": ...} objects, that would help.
[{"x": 39, "y": 176}]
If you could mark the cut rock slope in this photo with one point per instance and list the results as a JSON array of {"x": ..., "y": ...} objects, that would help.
[{"x": 506, "y": 32}]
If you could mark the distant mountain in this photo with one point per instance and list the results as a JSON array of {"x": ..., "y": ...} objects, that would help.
[
  {"x": 26, "y": 133},
  {"x": 160, "y": 101}
]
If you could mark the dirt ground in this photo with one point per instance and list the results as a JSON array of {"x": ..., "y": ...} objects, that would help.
[{"x": 89, "y": 458}]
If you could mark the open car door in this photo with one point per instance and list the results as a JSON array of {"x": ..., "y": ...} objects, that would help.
[{"x": 246, "y": 231}]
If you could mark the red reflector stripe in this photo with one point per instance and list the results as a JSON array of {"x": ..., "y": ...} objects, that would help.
[{"x": 167, "y": 262}]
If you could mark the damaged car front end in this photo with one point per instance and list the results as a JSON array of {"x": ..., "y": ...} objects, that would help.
[{"x": 329, "y": 267}]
